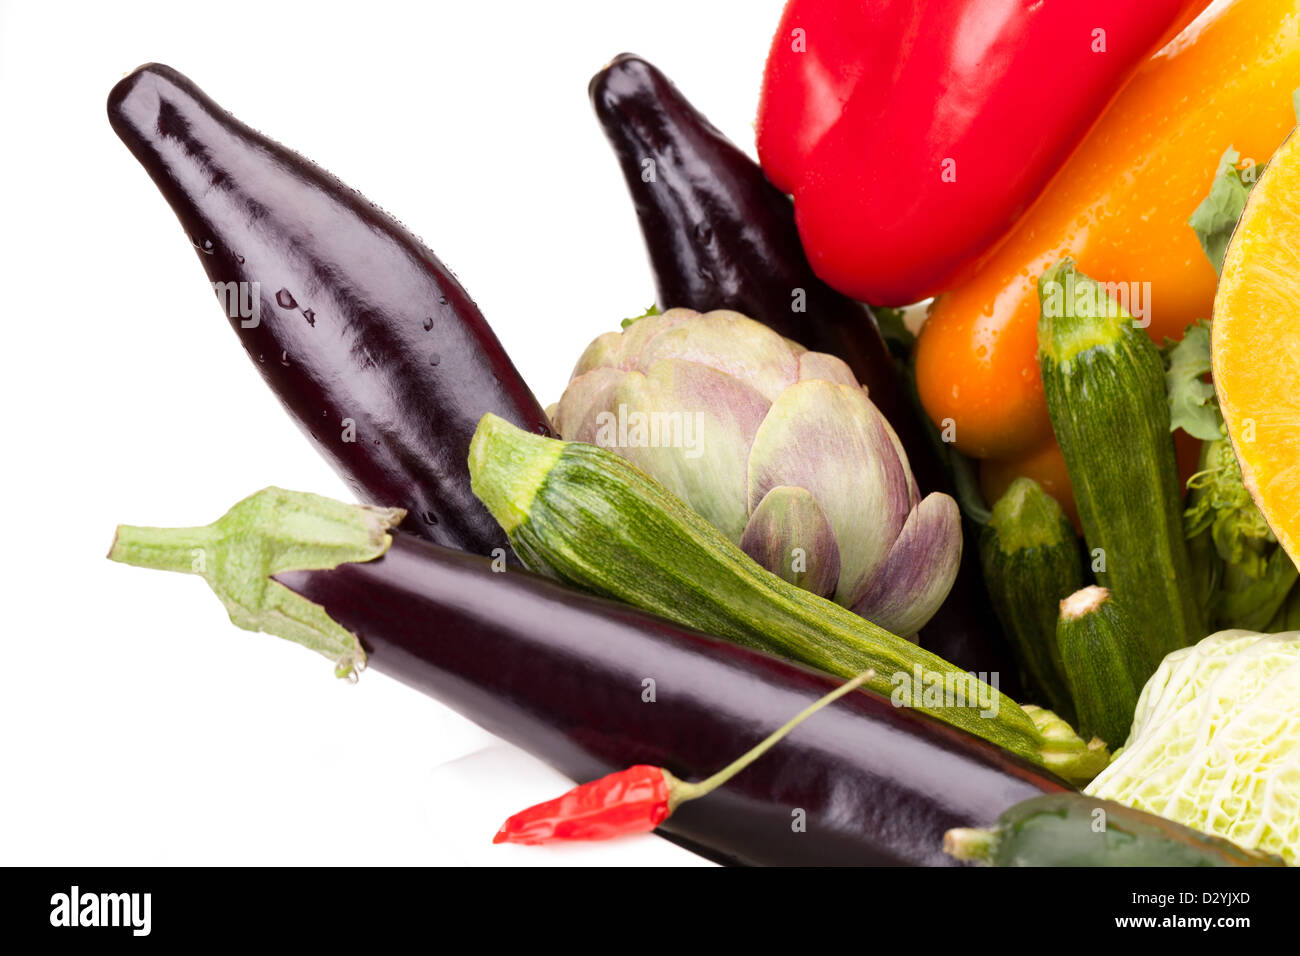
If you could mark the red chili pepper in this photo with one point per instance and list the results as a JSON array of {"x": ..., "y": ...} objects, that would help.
[
  {"x": 914, "y": 134},
  {"x": 634, "y": 800},
  {"x": 638, "y": 799}
]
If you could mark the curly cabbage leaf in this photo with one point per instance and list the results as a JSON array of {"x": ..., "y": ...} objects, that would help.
[{"x": 1215, "y": 742}]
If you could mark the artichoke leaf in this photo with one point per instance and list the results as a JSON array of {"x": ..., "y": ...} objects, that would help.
[
  {"x": 920, "y": 570},
  {"x": 788, "y": 534},
  {"x": 691, "y": 427},
  {"x": 832, "y": 441}
]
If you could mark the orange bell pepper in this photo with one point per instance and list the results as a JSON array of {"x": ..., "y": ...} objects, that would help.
[{"x": 1120, "y": 208}]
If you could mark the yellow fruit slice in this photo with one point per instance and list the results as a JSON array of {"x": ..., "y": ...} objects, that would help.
[{"x": 1256, "y": 343}]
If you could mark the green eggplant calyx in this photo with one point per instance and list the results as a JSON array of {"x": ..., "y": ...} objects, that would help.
[{"x": 271, "y": 532}]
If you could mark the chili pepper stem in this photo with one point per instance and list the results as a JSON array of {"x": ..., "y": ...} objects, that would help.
[{"x": 679, "y": 791}]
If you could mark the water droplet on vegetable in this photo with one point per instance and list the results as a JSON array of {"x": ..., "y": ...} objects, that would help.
[
  {"x": 442, "y": 300},
  {"x": 284, "y": 298},
  {"x": 704, "y": 232},
  {"x": 428, "y": 324},
  {"x": 435, "y": 358},
  {"x": 430, "y": 517},
  {"x": 310, "y": 316},
  {"x": 239, "y": 258},
  {"x": 284, "y": 357}
]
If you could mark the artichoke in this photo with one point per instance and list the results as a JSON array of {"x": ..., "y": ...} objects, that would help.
[{"x": 778, "y": 447}]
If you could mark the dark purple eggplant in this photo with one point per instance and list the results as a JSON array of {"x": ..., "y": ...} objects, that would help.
[
  {"x": 562, "y": 675},
  {"x": 369, "y": 341},
  {"x": 720, "y": 236}
]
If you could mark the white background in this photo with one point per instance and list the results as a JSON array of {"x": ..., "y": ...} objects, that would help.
[{"x": 137, "y": 726}]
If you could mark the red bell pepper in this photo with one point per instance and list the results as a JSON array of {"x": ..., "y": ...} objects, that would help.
[{"x": 914, "y": 134}]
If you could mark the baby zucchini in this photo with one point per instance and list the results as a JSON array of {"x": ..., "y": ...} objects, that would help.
[
  {"x": 1105, "y": 661},
  {"x": 1105, "y": 387},
  {"x": 1031, "y": 561}
]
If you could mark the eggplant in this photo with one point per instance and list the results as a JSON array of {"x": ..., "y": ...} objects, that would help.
[
  {"x": 592, "y": 686},
  {"x": 563, "y": 676},
  {"x": 368, "y": 340},
  {"x": 720, "y": 236}
]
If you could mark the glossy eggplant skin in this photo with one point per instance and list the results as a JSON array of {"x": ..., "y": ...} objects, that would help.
[
  {"x": 563, "y": 675},
  {"x": 720, "y": 236},
  {"x": 368, "y": 340}
]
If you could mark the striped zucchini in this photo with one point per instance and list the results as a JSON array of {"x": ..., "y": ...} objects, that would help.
[
  {"x": 1105, "y": 388},
  {"x": 587, "y": 517},
  {"x": 1106, "y": 663},
  {"x": 1031, "y": 561}
]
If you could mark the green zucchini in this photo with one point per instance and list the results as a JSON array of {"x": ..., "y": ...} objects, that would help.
[
  {"x": 1104, "y": 382},
  {"x": 1106, "y": 664},
  {"x": 587, "y": 517},
  {"x": 1031, "y": 562},
  {"x": 1069, "y": 829}
]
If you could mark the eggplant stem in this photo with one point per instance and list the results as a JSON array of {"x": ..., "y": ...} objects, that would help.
[
  {"x": 271, "y": 532},
  {"x": 161, "y": 549},
  {"x": 680, "y": 791}
]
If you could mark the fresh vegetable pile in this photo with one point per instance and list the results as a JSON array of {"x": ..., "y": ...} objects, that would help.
[{"x": 756, "y": 506}]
